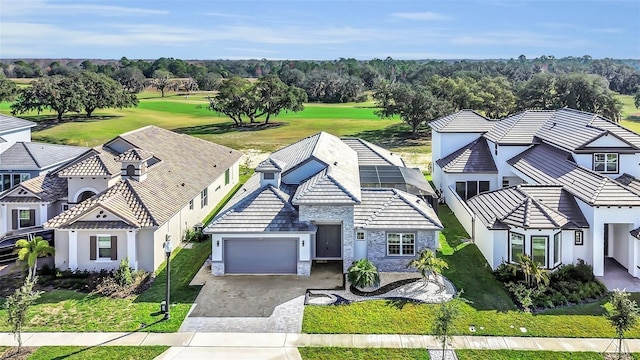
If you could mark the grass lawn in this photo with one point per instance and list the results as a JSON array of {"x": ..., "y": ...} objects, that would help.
[
  {"x": 63, "y": 310},
  {"x": 630, "y": 114},
  {"x": 491, "y": 311},
  {"x": 190, "y": 116},
  {"x": 525, "y": 355},
  {"x": 97, "y": 353},
  {"x": 322, "y": 353}
]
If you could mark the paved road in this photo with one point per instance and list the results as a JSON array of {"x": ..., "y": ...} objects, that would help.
[{"x": 283, "y": 345}]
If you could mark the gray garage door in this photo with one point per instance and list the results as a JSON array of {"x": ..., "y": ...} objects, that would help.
[{"x": 266, "y": 256}]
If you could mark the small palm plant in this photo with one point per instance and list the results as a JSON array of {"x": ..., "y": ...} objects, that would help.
[
  {"x": 362, "y": 273},
  {"x": 428, "y": 263},
  {"x": 533, "y": 272},
  {"x": 30, "y": 250}
]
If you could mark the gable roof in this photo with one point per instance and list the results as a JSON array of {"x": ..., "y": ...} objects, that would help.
[
  {"x": 370, "y": 154},
  {"x": 528, "y": 206},
  {"x": 37, "y": 156},
  {"x": 474, "y": 157},
  {"x": 258, "y": 209},
  {"x": 394, "y": 209},
  {"x": 546, "y": 164},
  {"x": 518, "y": 129},
  {"x": 630, "y": 181},
  {"x": 135, "y": 154},
  {"x": 170, "y": 184},
  {"x": 333, "y": 185},
  {"x": 10, "y": 123},
  {"x": 47, "y": 188},
  {"x": 270, "y": 164},
  {"x": 463, "y": 121},
  {"x": 100, "y": 162}
]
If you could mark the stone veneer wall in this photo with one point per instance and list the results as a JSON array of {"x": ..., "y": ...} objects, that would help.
[
  {"x": 334, "y": 214},
  {"x": 377, "y": 249}
]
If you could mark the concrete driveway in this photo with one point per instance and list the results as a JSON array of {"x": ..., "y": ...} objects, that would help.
[{"x": 256, "y": 303}]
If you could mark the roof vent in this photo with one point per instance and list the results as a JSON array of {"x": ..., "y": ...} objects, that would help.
[{"x": 335, "y": 163}]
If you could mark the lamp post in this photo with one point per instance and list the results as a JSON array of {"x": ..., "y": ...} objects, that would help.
[{"x": 167, "y": 250}]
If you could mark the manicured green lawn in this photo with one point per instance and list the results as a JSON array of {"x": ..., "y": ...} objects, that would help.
[
  {"x": 491, "y": 312},
  {"x": 191, "y": 116},
  {"x": 525, "y": 355},
  {"x": 630, "y": 114},
  {"x": 63, "y": 310},
  {"x": 334, "y": 353},
  {"x": 97, "y": 353}
]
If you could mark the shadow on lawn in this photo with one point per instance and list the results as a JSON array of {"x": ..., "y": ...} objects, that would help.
[
  {"x": 396, "y": 135},
  {"x": 223, "y": 128},
  {"x": 44, "y": 122}
]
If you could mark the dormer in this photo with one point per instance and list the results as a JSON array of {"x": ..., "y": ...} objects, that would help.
[
  {"x": 270, "y": 172},
  {"x": 134, "y": 164}
]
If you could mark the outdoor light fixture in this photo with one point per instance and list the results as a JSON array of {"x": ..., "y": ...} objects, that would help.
[
  {"x": 302, "y": 243},
  {"x": 217, "y": 243},
  {"x": 167, "y": 250}
]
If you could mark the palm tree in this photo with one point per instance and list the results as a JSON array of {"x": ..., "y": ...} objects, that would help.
[
  {"x": 428, "y": 263},
  {"x": 533, "y": 272},
  {"x": 30, "y": 250},
  {"x": 362, "y": 273}
]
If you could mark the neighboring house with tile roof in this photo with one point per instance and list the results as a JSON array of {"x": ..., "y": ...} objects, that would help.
[
  {"x": 325, "y": 199},
  {"x": 560, "y": 185},
  {"x": 124, "y": 198}
]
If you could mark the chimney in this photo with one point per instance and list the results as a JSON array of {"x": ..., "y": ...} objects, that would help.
[{"x": 134, "y": 164}]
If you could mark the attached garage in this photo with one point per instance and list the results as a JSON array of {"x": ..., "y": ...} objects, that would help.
[{"x": 260, "y": 255}]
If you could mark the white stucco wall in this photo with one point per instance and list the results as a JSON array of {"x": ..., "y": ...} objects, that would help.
[
  {"x": 78, "y": 185},
  {"x": 12, "y": 137},
  {"x": 505, "y": 152},
  {"x": 450, "y": 142},
  {"x": 83, "y": 249},
  {"x": 627, "y": 163}
]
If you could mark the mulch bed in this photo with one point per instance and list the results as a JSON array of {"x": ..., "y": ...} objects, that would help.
[{"x": 12, "y": 353}]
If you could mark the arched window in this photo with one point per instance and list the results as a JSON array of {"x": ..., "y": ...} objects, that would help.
[
  {"x": 131, "y": 170},
  {"x": 85, "y": 195}
]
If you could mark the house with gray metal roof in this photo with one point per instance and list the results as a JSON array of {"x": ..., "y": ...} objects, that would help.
[
  {"x": 124, "y": 198},
  {"x": 559, "y": 185},
  {"x": 325, "y": 199}
]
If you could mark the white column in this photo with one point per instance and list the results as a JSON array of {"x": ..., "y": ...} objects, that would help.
[
  {"x": 597, "y": 235},
  {"x": 632, "y": 260},
  {"x": 131, "y": 249},
  {"x": 73, "y": 250},
  {"x": 305, "y": 248},
  {"x": 43, "y": 214},
  {"x": 4, "y": 219}
]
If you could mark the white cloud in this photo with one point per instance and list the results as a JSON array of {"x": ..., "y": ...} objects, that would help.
[
  {"x": 426, "y": 15},
  {"x": 520, "y": 38},
  {"x": 12, "y": 8}
]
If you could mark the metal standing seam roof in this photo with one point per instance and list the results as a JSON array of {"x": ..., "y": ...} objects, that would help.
[
  {"x": 528, "y": 206},
  {"x": 37, "y": 156},
  {"x": 520, "y": 128},
  {"x": 546, "y": 164},
  {"x": 569, "y": 129},
  {"x": 474, "y": 157},
  {"x": 394, "y": 209},
  {"x": 625, "y": 134},
  {"x": 258, "y": 209},
  {"x": 370, "y": 154},
  {"x": 10, "y": 123},
  {"x": 463, "y": 121}
]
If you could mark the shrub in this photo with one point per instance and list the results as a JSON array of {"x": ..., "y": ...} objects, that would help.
[
  {"x": 109, "y": 285},
  {"x": 362, "y": 273},
  {"x": 123, "y": 274},
  {"x": 194, "y": 235},
  {"x": 504, "y": 273}
]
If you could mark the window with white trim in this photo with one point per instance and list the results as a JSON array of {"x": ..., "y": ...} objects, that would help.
[
  {"x": 516, "y": 246},
  {"x": 24, "y": 218},
  {"x": 539, "y": 249},
  {"x": 605, "y": 162},
  {"x": 104, "y": 247},
  {"x": 360, "y": 235},
  {"x": 204, "y": 198},
  {"x": 557, "y": 249},
  {"x": 401, "y": 244}
]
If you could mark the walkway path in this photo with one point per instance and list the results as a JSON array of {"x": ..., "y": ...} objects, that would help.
[{"x": 283, "y": 345}]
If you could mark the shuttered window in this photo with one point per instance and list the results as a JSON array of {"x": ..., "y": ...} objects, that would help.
[{"x": 103, "y": 247}]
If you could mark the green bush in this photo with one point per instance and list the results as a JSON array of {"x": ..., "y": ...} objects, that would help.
[
  {"x": 194, "y": 235},
  {"x": 123, "y": 273}
]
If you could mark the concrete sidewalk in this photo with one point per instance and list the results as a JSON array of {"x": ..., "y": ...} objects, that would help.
[{"x": 290, "y": 341}]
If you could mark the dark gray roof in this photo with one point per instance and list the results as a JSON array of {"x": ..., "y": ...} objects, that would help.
[
  {"x": 394, "y": 209},
  {"x": 462, "y": 121},
  {"x": 270, "y": 164},
  {"x": 518, "y": 129},
  {"x": 635, "y": 233},
  {"x": 37, "y": 156},
  {"x": 546, "y": 164},
  {"x": 258, "y": 209},
  {"x": 569, "y": 128},
  {"x": 630, "y": 181},
  {"x": 410, "y": 180},
  {"x": 336, "y": 184},
  {"x": 10, "y": 123},
  {"x": 474, "y": 157},
  {"x": 528, "y": 206},
  {"x": 370, "y": 154},
  {"x": 616, "y": 129}
]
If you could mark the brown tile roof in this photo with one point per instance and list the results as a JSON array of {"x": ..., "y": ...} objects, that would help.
[
  {"x": 186, "y": 166},
  {"x": 101, "y": 162},
  {"x": 47, "y": 188},
  {"x": 135, "y": 154},
  {"x": 528, "y": 206},
  {"x": 98, "y": 225},
  {"x": 546, "y": 164},
  {"x": 474, "y": 157}
]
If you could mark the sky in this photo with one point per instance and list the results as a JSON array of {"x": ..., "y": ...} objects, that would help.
[{"x": 318, "y": 29}]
